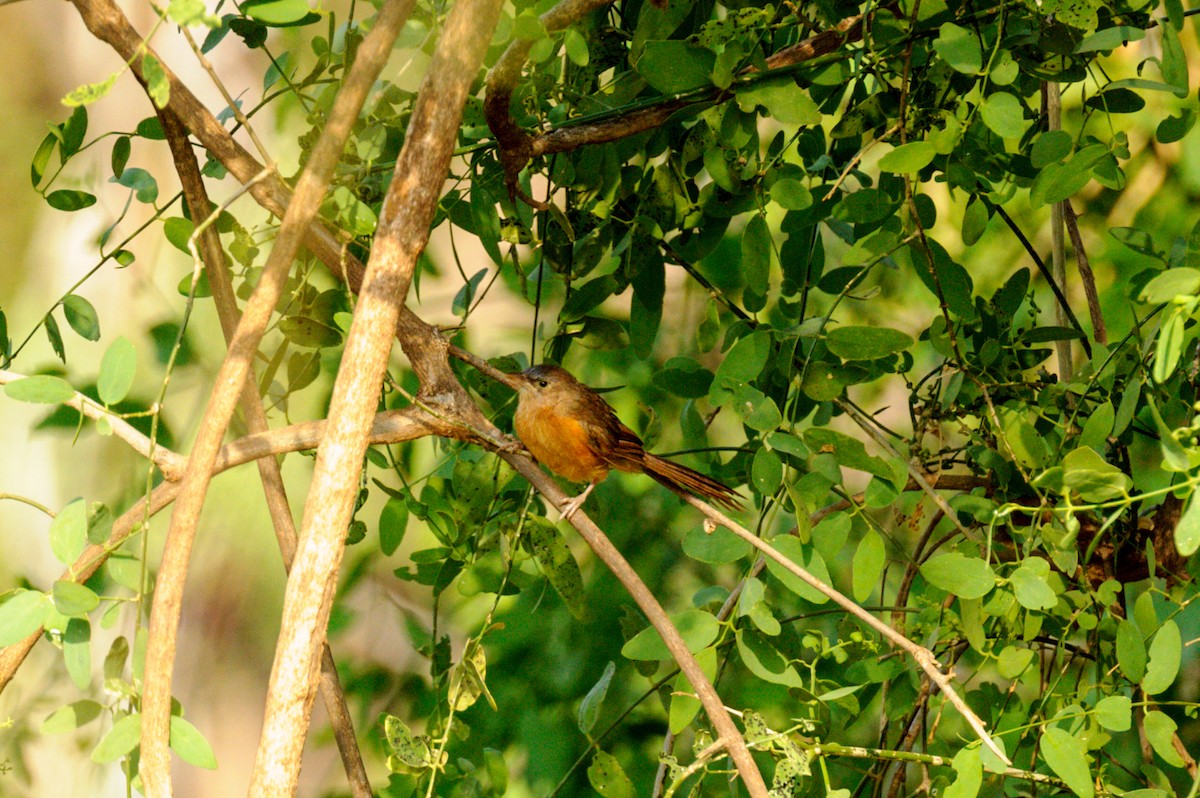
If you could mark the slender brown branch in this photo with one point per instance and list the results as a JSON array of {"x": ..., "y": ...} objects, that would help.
[
  {"x": 727, "y": 732},
  {"x": 1086, "y": 276},
  {"x": 401, "y": 236},
  {"x": 518, "y": 147}
]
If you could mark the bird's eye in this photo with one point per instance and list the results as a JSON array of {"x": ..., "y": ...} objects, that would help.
[{"x": 543, "y": 384}]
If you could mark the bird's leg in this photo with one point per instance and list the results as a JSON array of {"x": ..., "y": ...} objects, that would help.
[{"x": 572, "y": 505}]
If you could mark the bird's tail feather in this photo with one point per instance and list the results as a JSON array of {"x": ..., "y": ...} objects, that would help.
[{"x": 678, "y": 477}]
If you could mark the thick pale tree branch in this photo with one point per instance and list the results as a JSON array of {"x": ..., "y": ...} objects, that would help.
[
  {"x": 400, "y": 237},
  {"x": 206, "y": 245},
  {"x": 310, "y": 191}
]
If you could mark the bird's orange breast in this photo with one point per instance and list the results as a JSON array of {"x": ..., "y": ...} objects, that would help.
[{"x": 560, "y": 442}]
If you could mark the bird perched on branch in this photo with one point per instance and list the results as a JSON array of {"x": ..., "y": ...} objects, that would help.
[{"x": 569, "y": 428}]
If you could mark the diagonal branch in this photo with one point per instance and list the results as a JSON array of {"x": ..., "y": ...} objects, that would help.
[
  {"x": 923, "y": 656},
  {"x": 728, "y": 736}
]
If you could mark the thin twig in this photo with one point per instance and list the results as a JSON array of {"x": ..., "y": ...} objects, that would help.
[{"x": 923, "y": 656}]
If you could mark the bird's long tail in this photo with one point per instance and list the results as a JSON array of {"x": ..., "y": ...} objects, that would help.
[{"x": 678, "y": 478}]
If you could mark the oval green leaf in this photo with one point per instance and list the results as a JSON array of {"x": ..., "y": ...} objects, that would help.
[
  {"x": 1166, "y": 651},
  {"x": 866, "y": 343},
  {"x": 117, "y": 370},
  {"x": 40, "y": 388},
  {"x": 697, "y": 628},
  {"x": 965, "y": 577}
]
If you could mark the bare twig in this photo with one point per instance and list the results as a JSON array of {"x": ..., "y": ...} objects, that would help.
[{"x": 1086, "y": 276}]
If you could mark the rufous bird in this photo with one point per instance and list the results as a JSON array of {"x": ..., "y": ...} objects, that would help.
[{"x": 570, "y": 429}]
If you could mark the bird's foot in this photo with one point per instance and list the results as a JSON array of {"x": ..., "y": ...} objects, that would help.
[{"x": 572, "y": 505}]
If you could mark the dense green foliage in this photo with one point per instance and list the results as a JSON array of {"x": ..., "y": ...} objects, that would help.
[{"x": 814, "y": 274}]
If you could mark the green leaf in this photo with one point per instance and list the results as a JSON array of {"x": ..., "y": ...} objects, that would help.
[
  {"x": 784, "y": 101},
  {"x": 303, "y": 331},
  {"x": 742, "y": 363},
  {"x": 576, "y": 47},
  {"x": 1051, "y": 147},
  {"x": 807, "y": 558},
  {"x": 393, "y": 521},
  {"x": 120, "y": 155},
  {"x": 1187, "y": 531},
  {"x": 684, "y": 377},
  {"x": 956, "y": 573},
  {"x": 41, "y": 158},
  {"x": 1110, "y": 38},
  {"x": 589, "y": 708},
  {"x": 766, "y": 472},
  {"x": 82, "y": 317},
  {"x": 71, "y": 717},
  {"x": 68, "y": 532},
  {"x": 756, "y": 254},
  {"x": 72, "y": 598},
  {"x": 1029, "y": 584},
  {"x": 40, "y": 388},
  {"x": 1066, "y": 756},
  {"x": 959, "y": 48},
  {"x": 1115, "y": 713},
  {"x": 1013, "y": 661},
  {"x": 120, "y": 740},
  {"x": 588, "y": 296},
  {"x": 1131, "y": 651},
  {"x": 280, "y": 13},
  {"x": 1174, "y": 128},
  {"x": 1160, "y": 732},
  {"x": 1166, "y": 652},
  {"x": 1095, "y": 479},
  {"x": 674, "y": 66},
  {"x": 685, "y": 707},
  {"x": 763, "y": 660},
  {"x": 869, "y": 559},
  {"x": 77, "y": 651},
  {"x": 866, "y": 343},
  {"x": 157, "y": 84},
  {"x": 908, "y": 158},
  {"x": 718, "y": 546},
  {"x": 74, "y": 131},
  {"x": 608, "y": 778},
  {"x": 1171, "y": 284},
  {"x": 968, "y": 769},
  {"x": 1173, "y": 63},
  {"x": 790, "y": 194},
  {"x": 117, "y": 370},
  {"x": 697, "y": 627},
  {"x": 1004, "y": 114},
  {"x": 550, "y": 549},
  {"x": 21, "y": 614},
  {"x": 54, "y": 336},
  {"x": 144, "y": 186},
  {"x": 91, "y": 92},
  {"x": 189, "y": 743},
  {"x": 70, "y": 200}
]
